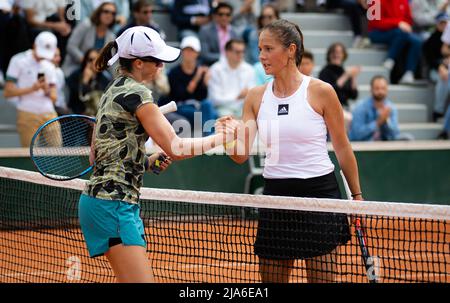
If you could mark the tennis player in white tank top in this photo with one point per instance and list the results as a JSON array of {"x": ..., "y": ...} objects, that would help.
[{"x": 304, "y": 110}]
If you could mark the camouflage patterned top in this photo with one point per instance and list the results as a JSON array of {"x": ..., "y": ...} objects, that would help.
[{"x": 119, "y": 142}]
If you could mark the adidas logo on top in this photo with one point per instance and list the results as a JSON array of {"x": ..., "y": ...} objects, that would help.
[{"x": 283, "y": 109}]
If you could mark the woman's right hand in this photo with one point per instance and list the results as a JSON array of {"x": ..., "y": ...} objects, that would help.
[{"x": 227, "y": 127}]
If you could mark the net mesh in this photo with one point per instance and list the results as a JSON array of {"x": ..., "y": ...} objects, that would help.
[{"x": 210, "y": 237}]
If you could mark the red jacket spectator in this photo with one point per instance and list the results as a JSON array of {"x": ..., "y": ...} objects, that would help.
[{"x": 392, "y": 13}]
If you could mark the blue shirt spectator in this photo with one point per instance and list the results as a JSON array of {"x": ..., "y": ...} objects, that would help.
[{"x": 375, "y": 118}]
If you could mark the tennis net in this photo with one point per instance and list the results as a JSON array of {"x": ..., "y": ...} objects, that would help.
[{"x": 209, "y": 237}]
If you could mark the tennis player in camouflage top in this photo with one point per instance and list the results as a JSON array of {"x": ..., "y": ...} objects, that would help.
[{"x": 109, "y": 208}]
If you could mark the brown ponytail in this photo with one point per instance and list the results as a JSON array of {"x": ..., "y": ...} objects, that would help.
[
  {"x": 287, "y": 33},
  {"x": 101, "y": 63}
]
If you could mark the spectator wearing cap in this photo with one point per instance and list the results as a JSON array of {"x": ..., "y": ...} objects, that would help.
[
  {"x": 438, "y": 65},
  {"x": 189, "y": 86},
  {"x": 424, "y": 12},
  {"x": 94, "y": 32},
  {"x": 216, "y": 34},
  {"x": 142, "y": 16},
  {"x": 31, "y": 76}
]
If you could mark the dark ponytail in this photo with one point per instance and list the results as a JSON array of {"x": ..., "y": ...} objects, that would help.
[
  {"x": 106, "y": 53},
  {"x": 287, "y": 33}
]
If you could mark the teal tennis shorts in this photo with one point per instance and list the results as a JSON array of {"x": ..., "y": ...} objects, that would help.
[{"x": 106, "y": 223}]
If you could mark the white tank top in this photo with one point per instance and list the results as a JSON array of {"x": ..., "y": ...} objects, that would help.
[{"x": 294, "y": 134}]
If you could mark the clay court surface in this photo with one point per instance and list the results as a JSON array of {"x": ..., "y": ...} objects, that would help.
[{"x": 222, "y": 251}]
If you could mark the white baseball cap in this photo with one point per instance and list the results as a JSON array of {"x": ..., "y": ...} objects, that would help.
[
  {"x": 45, "y": 45},
  {"x": 192, "y": 42},
  {"x": 142, "y": 41}
]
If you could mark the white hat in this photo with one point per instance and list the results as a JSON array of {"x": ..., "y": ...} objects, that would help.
[
  {"x": 192, "y": 42},
  {"x": 142, "y": 41},
  {"x": 45, "y": 45}
]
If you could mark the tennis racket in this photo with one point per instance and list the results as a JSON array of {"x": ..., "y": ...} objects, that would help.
[
  {"x": 360, "y": 234},
  {"x": 60, "y": 148}
]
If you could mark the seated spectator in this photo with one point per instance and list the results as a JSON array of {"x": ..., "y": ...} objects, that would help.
[
  {"x": 189, "y": 15},
  {"x": 216, "y": 34},
  {"x": 48, "y": 16},
  {"x": 424, "y": 13},
  {"x": 32, "y": 78},
  {"x": 244, "y": 16},
  {"x": 269, "y": 13},
  {"x": 376, "y": 118},
  {"x": 443, "y": 82},
  {"x": 231, "y": 79},
  {"x": 394, "y": 28},
  {"x": 432, "y": 47},
  {"x": 95, "y": 32},
  {"x": 87, "y": 7},
  {"x": 86, "y": 85},
  {"x": 142, "y": 16},
  {"x": 189, "y": 85},
  {"x": 307, "y": 65},
  {"x": 61, "y": 107},
  {"x": 344, "y": 81}
]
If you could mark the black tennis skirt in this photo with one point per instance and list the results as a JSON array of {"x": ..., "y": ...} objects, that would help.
[{"x": 287, "y": 235}]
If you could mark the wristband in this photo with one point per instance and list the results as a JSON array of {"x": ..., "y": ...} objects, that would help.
[{"x": 357, "y": 194}]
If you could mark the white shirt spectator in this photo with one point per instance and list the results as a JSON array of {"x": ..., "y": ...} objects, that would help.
[
  {"x": 43, "y": 9},
  {"x": 226, "y": 83},
  {"x": 23, "y": 69}
]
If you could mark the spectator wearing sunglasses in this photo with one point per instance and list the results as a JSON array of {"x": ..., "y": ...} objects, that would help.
[
  {"x": 216, "y": 34},
  {"x": 86, "y": 85},
  {"x": 142, "y": 16},
  {"x": 95, "y": 32}
]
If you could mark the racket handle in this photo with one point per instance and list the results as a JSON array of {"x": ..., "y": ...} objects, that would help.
[{"x": 168, "y": 108}]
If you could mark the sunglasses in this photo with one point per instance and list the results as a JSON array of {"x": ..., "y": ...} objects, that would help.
[{"x": 267, "y": 16}]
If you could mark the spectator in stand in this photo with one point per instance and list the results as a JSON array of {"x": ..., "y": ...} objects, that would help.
[
  {"x": 86, "y": 85},
  {"x": 307, "y": 65},
  {"x": 31, "y": 77},
  {"x": 189, "y": 85},
  {"x": 269, "y": 13},
  {"x": 438, "y": 67},
  {"x": 231, "y": 79},
  {"x": 94, "y": 32},
  {"x": 424, "y": 13},
  {"x": 344, "y": 81},
  {"x": 190, "y": 15},
  {"x": 87, "y": 7},
  {"x": 443, "y": 82},
  {"x": 394, "y": 28},
  {"x": 376, "y": 118},
  {"x": 216, "y": 34},
  {"x": 142, "y": 16},
  {"x": 244, "y": 16},
  {"x": 47, "y": 15}
]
